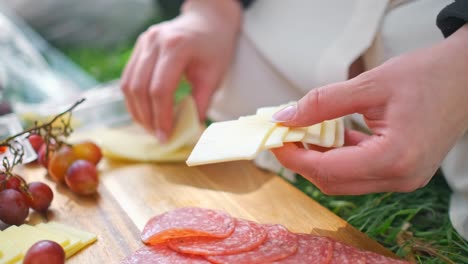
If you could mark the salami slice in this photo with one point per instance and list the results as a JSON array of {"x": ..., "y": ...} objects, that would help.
[
  {"x": 344, "y": 254},
  {"x": 187, "y": 222},
  {"x": 311, "y": 250},
  {"x": 375, "y": 258},
  {"x": 247, "y": 235},
  {"x": 162, "y": 255},
  {"x": 279, "y": 244}
]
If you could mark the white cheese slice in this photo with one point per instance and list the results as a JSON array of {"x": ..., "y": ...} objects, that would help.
[
  {"x": 231, "y": 140},
  {"x": 339, "y": 133},
  {"x": 276, "y": 138},
  {"x": 312, "y": 135},
  {"x": 327, "y": 134},
  {"x": 295, "y": 134}
]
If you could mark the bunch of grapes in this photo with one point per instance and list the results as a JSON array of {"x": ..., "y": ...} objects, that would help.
[
  {"x": 17, "y": 196},
  {"x": 74, "y": 165}
]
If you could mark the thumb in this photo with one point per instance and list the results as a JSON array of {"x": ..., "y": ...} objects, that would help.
[{"x": 333, "y": 101}]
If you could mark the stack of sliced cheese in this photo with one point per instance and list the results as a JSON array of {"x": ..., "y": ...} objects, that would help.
[
  {"x": 16, "y": 240},
  {"x": 244, "y": 138},
  {"x": 135, "y": 144}
]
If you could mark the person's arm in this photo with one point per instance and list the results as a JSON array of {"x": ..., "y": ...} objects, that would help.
[
  {"x": 198, "y": 44},
  {"x": 415, "y": 105}
]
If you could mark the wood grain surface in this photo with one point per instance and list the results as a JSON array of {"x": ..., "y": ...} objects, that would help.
[{"x": 130, "y": 194}]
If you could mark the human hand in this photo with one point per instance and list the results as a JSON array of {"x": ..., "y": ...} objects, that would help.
[
  {"x": 199, "y": 43},
  {"x": 416, "y": 105}
]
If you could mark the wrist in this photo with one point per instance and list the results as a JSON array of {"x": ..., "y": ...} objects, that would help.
[{"x": 225, "y": 13}]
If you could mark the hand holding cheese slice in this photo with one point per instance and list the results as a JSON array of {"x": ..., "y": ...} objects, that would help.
[
  {"x": 135, "y": 144},
  {"x": 244, "y": 138}
]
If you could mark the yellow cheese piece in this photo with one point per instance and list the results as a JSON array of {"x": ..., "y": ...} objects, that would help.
[
  {"x": 86, "y": 238},
  {"x": 231, "y": 140},
  {"x": 327, "y": 135},
  {"x": 276, "y": 137},
  {"x": 28, "y": 236},
  {"x": 136, "y": 144},
  {"x": 339, "y": 133},
  {"x": 74, "y": 244},
  {"x": 312, "y": 135},
  {"x": 11, "y": 253}
]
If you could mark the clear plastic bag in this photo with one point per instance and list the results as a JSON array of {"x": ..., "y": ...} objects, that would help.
[{"x": 31, "y": 71}]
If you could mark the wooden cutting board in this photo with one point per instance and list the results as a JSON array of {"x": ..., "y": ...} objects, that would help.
[{"x": 129, "y": 194}]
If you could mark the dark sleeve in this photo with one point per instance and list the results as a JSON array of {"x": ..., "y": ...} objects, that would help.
[
  {"x": 246, "y": 3},
  {"x": 453, "y": 17}
]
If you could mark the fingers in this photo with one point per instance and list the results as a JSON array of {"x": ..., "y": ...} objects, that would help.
[
  {"x": 335, "y": 166},
  {"x": 204, "y": 84},
  {"x": 333, "y": 101},
  {"x": 349, "y": 170},
  {"x": 354, "y": 137},
  {"x": 137, "y": 77},
  {"x": 166, "y": 77},
  {"x": 125, "y": 84}
]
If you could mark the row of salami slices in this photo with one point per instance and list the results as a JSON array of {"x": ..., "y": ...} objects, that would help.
[{"x": 197, "y": 236}]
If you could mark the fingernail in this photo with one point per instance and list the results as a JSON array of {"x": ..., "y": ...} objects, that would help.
[
  {"x": 285, "y": 114},
  {"x": 162, "y": 136}
]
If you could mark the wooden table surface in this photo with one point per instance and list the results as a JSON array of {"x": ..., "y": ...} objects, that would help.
[{"x": 130, "y": 193}]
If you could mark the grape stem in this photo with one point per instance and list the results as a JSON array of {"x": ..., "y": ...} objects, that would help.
[
  {"x": 6, "y": 141},
  {"x": 46, "y": 130}
]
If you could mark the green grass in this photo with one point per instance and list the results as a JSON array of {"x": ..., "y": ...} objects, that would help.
[{"x": 414, "y": 223}]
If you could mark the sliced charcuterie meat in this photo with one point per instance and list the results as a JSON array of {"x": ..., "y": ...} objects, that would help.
[
  {"x": 187, "y": 222},
  {"x": 374, "y": 258},
  {"x": 162, "y": 255},
  {"x": 344, "y": 254},
  {"x": 247, "y": 235},
  {"x": 311, "y": 250},
  {"x": 279, "y": 244}
]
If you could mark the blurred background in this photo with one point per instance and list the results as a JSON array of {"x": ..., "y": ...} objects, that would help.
[
  {"x": 57, "y": 51},
  {"x": 53, "y": 52}
]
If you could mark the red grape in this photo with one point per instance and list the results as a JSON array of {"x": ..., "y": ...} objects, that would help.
[
  {"x": 88, "y": 151},
  {"x": 45, "y": 252},
  {"x": 36, "y": 141},
  {"x": 14, "y": 183},
  {"x": 43, "y": 160},
  {"x": 41, "y": 196},
  {"x": 13, "y": 207},
  {"x": 82, "y": 177},
  {"x": 60, "y": 162}
]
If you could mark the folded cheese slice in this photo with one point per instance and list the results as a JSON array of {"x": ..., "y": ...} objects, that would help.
[{"x": 231, "y": 140}]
